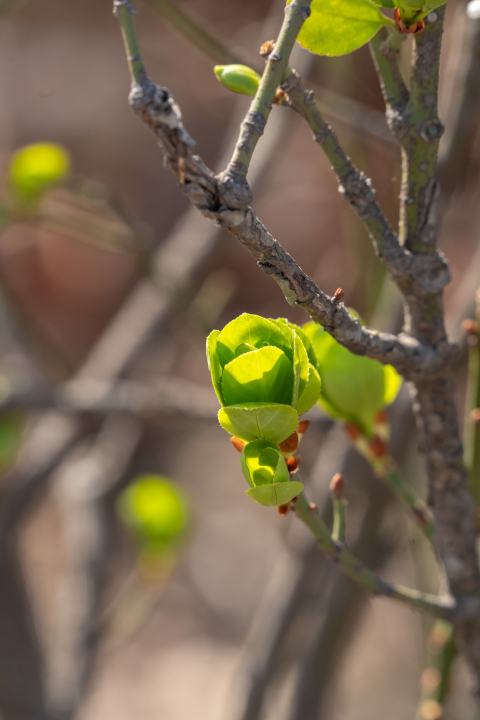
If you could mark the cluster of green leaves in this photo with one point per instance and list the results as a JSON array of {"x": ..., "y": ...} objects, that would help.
[
  {"x": 337, "y": 27},
  {"x": 157, "y": 513},
  {"x": 267, "y": 372},
  {"x": 264, "y": 374}
]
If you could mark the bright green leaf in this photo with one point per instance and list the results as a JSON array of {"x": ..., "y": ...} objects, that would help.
[
  {"x": 155, "y": 508},
  {"x": 238, "y": 78},
  {"x": 392, "y": 382},
  {"x": 337, "y": 27},
  {"x": 386, "y": 3},
  {"x": 262, "y": 463},
  {"x": 253, "y": 330},
  {"x": 276, "y": 494},
  {"x": 310, "y": 393},
  {"x": 250, "y": 421},
  {"x": 354, "y": 388},
  {"x": 214, "y": 364},
  {"x": 264, "y": 375},
  {"x": 35, "y": 168}
]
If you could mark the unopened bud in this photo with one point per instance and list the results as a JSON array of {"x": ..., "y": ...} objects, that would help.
[
  {"x": 430, "y": 680},
  {"x": 238, "y": 78},
  {"x": 353, "y": 431},
  {"x": 431, "y": 710},
  {"x": 266, "y": 48},
  {"x": 302, "y": 428},
  {"x": 475, "y": 416},
  {"x": 290, "y": 444},
  {"x": 381, "y": 418},
  {"x": 292, "y": 465},
  {"x": 470, "y": 327},
  {"x": 377, "y": 447},
  {"x": 237, "y": 443},
  {"x": 339, "y": 295},
  {"x": 283, "y": 509},
  {"x": 337, "y": 486}
]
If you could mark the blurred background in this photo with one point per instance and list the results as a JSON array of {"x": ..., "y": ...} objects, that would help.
[{"x": 109, "y": 286}]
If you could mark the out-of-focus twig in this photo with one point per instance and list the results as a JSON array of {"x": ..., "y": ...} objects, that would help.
[
  {"x": 464, "y": 107},
  {"x": 102, "y": 397},
  {"x": 21, "y": 663},
  {"x": 86, "y": 481}
]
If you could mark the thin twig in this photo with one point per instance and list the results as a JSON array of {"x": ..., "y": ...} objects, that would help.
[{"x": 354, "y": 568}]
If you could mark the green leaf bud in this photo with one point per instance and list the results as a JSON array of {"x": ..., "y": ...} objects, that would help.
[
  {"x": 265, "y": 470},
  {"x": 35, "y": 168},
  {"x": 354, "y": 388},
  {"x": 238, "y": 78},
  {"x": 156, "y": 510},
  {"x": 263, "y": 376}
]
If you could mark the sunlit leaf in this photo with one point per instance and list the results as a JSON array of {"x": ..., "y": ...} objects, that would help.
[
  {"x": 337, "y": 27},
  {"x": 250, "y": 421},
  {"x": 354, "y": 388},
  {"x": 264, "y": 375},
  {"x": 214, "y": 364},
  {"x": 276, "y": 494},
  {"x": 35, "y": 168},
  {"x": 265, "y": 470},
  {"x": 311, "y": 392},
  {"x": 253, "y": 330}
]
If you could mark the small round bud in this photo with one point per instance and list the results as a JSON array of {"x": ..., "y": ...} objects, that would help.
[
  {"x": 353, "y": 431},
  {"x": 339, "y": 295},
  {"x": 290, "y": 444},
  {"x": 470, "y": 327},
  {"x": 266, "y": 48},
  {"x": 302, "y": 428},
  {"x": 377, "y": 447},
  {"x": 430, "y": 680},
  {"x": 283, "y": 509},
  {"x": 475, "y": 416},
  {"x": 337, "y": 486},
  {"x": 431, "y": 710},
  {"x": 238, "y": 78},
  {"x": 237, "y": 443}
]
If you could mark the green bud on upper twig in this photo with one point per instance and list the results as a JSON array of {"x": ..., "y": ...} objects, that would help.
[{"x": 238, "y": 78}]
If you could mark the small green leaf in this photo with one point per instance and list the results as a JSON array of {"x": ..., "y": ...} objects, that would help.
[
  {"x": 310, "y": 393},
  {"x": 264, "y": 375},
  {"x": 252, "y": 330},
  {"x": 265, "y": 470},
  {"x": 238, "y": 78},
  {"x": 354, "y": 388},
  {"x": 262, "y": 463},
  {"x": 35, "y": 168},
  {"x": 214, "y": 364},
  {"x": 155, "y": 508},
  {"x": 276, "y": 494},
  {"x": 250, "y": 421},
  {"x": 392, "y": 383},
  {"x": 337, "y": 27},
  {"x": 386, "y": 3}
]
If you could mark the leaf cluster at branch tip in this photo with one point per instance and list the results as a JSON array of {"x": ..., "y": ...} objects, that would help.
[{"x": 338, "y": 27}]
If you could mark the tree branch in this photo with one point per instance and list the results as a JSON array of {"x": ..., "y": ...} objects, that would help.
[{"x": 354, "y": 568}]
